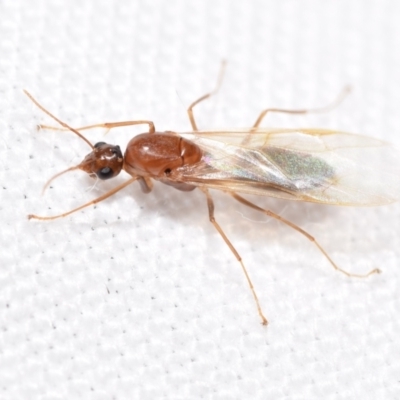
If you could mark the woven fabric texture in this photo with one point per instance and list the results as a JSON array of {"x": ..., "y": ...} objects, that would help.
[{"x": 139, "y": 297}]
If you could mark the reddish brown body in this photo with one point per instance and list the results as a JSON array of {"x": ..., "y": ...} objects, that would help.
[
  {"x": 175, "y": 161},
  {"x": 157, "y": 155}
]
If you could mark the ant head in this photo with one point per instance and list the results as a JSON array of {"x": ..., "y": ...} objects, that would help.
[{"x": 105, "y": 161}]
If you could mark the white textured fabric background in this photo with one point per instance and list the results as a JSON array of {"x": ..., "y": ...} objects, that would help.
[{"x": 139, "y": 298}]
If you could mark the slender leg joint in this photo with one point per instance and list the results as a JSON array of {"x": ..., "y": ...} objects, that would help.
[
  {"x": 210, "y": 204},
  {"x": 269, "y": 213}
]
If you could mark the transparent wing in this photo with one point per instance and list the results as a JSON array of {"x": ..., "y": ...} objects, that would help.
[{"x": 320, "y": 166}]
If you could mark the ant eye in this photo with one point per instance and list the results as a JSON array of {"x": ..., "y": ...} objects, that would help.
[
  {"x": 167, "y": 172},
  {"x": 105, "y": 173},
  {"x": 99, "y": 144},
  {"x": 117, "y": 151}
]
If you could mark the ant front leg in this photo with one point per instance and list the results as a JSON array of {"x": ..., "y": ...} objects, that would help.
[
  {"x": 106, "y": 125},
  {"x": 92, "y": 202}
]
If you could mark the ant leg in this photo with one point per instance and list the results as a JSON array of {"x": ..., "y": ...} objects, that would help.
[
  {"x": 306, "y": 234},
  {"x": 106, "y": 125},
  {"x": 210, "y": 204},
  {"x": 342, "y": 95},
  {"x": 206, "y": 96},
  {"x": 56, "y": 119},
  {"x": 95, "y": 201},
  {"x": 145, "y": 184}
]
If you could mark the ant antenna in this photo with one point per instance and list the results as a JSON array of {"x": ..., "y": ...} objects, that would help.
[
  {"x": 56, "y": 119},
  {"x": 46, "y": 185}
]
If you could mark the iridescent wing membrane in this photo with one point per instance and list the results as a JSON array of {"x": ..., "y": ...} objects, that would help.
[{"x": 315, "y": 165}]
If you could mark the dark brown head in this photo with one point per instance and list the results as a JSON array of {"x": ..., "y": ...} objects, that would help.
[{"x": 105, "y": 161}]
